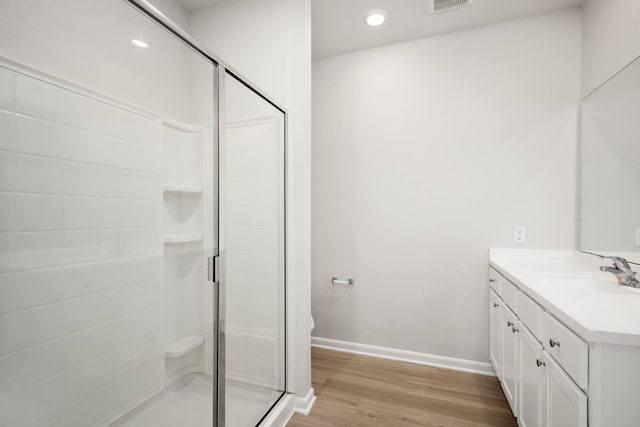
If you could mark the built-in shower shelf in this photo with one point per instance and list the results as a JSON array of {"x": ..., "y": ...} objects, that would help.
[
  {"x": 173, "y": 239},
  {"x": 183, "y": 346},
  {"x": 183, "y": 189}
]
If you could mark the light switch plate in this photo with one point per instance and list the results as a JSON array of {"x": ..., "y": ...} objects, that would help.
[{"x": 519, "y": 234}]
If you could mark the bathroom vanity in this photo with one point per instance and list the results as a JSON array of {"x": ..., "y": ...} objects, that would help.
[
  {"x": 564, "y": 335},
  {"x": 564, "y": 339}
]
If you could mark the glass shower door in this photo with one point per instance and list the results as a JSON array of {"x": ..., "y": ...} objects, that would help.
[
  {"x": 253, "y": 253},
  {"x": 106, "y": 219}
]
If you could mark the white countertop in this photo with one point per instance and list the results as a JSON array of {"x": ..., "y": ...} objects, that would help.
[{"x": 569, "y": 285}]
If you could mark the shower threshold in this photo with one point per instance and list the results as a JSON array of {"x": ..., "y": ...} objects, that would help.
[{"x": 189, "y": 403}]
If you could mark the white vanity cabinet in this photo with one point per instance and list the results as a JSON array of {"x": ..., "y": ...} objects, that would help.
[
  {"x": 511, "y": 357},
  {"x": 574, "y": 358},
  {"x": 495, "y": 333},
  {"x": 539, "y": 381},
  {"x": 533, "y": 380}
]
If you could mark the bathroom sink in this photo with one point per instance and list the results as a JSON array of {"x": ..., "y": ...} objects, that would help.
[
  {"x": 560, "y": 275},
  {"x": 572, "y": 286}
]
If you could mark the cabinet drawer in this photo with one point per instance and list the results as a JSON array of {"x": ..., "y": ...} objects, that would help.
[
  {"x": 530, "y": 314},
  {"x": 494, "y": 280},
  {"x": 509, "y": 294},
  {"x": 566, "y": 348}
]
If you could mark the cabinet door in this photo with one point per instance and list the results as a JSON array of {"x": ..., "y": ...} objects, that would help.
[
  {"x": 510, "y": 356},
  {"x": 567, "y": 404},
  {"x": 495, "y": 334},
  {"x": 532, "y": 391}
]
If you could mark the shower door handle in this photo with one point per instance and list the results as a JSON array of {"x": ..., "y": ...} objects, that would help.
[{"x": 213, "y": 268}]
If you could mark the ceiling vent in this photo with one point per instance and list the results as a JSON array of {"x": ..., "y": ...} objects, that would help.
[{"x": 439, "y": 6}]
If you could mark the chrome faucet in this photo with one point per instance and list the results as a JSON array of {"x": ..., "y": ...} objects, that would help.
[{"x": 623, "y": 272}]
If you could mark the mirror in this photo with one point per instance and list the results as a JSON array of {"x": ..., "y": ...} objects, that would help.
[{"x": 610, "y": 166}]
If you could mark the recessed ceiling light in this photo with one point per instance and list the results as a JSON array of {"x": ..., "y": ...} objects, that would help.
[
  {"x": 375, "y": 18},
  {"x": 140, "y": 43}
]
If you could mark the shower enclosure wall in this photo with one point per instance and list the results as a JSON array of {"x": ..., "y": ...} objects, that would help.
[{"x": 124, "y": 170}]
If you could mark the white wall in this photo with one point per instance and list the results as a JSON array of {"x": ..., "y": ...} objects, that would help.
[
  {"x": 269, "y": 42},
  {"x": 174, "y": 11},
  {"x": 610, "y": 39},
  {"x": 425, "y": 154}
]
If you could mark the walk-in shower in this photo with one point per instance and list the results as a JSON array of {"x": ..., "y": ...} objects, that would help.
[{"x": 129, "y": 159}]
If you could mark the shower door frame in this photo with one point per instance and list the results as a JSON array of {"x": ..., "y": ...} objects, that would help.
[{"x": 216, "y": 264}]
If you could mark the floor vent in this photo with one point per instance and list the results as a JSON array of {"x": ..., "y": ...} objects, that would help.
[{"x": 439, "y": 6}]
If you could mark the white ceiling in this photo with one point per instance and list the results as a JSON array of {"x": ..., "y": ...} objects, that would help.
[
  {"x": 338, "y": 25},
  {"x": 191, "y": 5}
]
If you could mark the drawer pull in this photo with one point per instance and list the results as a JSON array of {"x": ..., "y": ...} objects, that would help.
[
  {"x": 540, "y": 363},
  {"x": 496, "y": 305},
  {"x": 554, "y": 343},
  {"x": 509, "y": 323},
  {"x": 515, "y": 330},
  {"x": 492, "y": 280}
]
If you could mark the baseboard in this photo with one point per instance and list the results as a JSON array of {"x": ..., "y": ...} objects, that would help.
[
  {"x": 303, "y": 405},
  {"x": 289, "y": 405},
  {"x": 463, "y": 365},
  {"x": 281, "y": 414}
]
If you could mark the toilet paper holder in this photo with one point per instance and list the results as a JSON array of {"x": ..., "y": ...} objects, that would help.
[{"x": 336, "y": 281}]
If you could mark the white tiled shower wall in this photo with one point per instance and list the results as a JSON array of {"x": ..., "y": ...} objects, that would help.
[
  {"x": 254, "y": 336},
  {"x": 80, "y": 255},
  {"x": 185, "y": 286}
]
